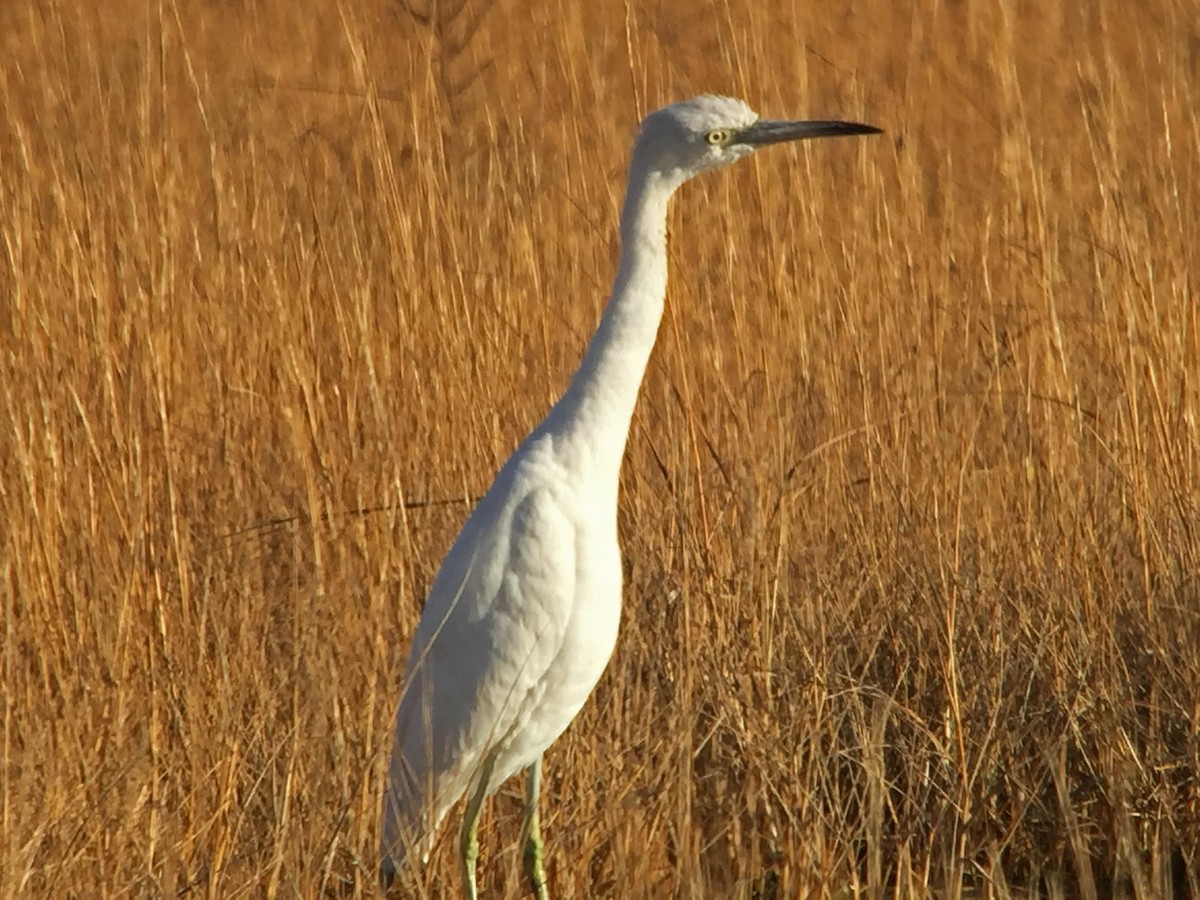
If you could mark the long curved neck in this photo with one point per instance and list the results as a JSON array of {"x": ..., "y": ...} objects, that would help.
[{"x": 596, "y": 409}]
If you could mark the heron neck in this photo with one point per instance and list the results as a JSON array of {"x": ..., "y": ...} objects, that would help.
[{"x": 595, "y": 412}]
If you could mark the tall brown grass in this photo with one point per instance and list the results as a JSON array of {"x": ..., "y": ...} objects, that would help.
[{"x": 910, "y": 510}]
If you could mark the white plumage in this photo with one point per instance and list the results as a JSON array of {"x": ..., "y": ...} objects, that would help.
[{"x": 523, "y": 615}]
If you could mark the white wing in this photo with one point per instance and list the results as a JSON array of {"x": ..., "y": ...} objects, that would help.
[{"x": 493, "y": 624}]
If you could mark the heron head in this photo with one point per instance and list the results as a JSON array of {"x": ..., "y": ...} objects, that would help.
[{"x": 706, "y": 132}]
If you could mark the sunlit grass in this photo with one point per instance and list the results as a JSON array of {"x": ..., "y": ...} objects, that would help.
[{"x": 909, "y": 511}]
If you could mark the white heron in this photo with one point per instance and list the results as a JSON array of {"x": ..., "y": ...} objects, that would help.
[{"x": 522, "y": 617}]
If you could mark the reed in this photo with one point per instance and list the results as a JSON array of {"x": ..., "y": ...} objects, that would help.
[{"x": 910, "y": 508}]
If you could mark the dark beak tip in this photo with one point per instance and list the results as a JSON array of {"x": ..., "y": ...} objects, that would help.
[{"x": 852, "y": 128}]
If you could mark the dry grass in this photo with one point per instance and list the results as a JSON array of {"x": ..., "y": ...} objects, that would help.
[{"x": 910, "y": 510}]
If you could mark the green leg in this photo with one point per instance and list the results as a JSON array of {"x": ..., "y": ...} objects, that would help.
[
  {"x": 468, "y": 843},
  {"x": 531, "y": 833}
]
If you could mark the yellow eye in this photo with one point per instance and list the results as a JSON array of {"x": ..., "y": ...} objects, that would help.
[{"x": 717, "y": 137}]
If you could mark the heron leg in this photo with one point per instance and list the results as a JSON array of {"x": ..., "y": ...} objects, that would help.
[
  {"x": 531, "y": 832},
  {"x": 468, "y": 843}
]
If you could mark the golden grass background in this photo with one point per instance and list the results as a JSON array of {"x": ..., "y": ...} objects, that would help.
[{"x": 910, "y": 506}]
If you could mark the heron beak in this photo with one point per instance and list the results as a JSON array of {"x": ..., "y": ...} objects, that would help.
[{"x": 766, "y": 131}]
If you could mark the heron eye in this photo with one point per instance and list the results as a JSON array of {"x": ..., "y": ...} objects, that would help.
[{"x": 717, "y": 137}]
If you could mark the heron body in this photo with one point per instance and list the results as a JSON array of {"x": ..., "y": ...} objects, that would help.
[{"x": 523, "y": 614}]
